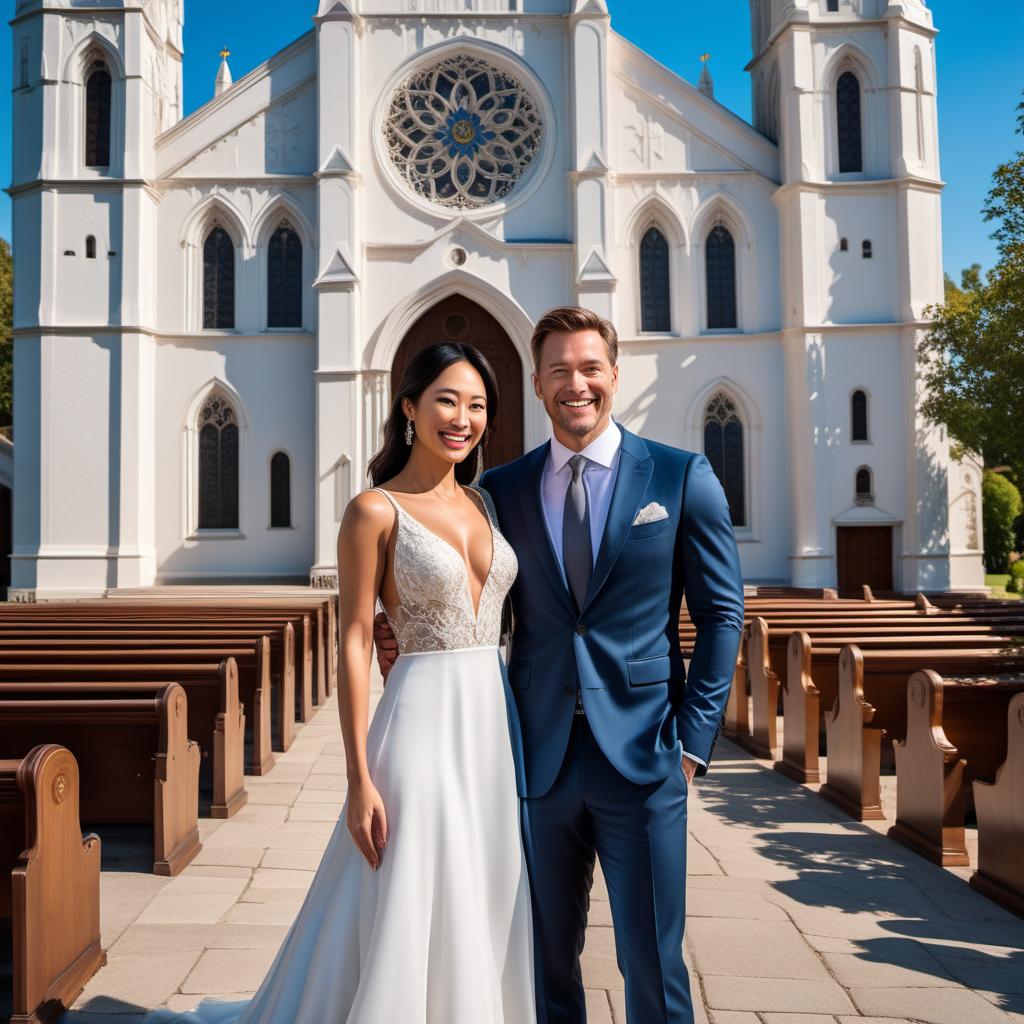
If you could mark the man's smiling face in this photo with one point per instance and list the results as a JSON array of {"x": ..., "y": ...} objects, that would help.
[{"x": 576, "y": 381}]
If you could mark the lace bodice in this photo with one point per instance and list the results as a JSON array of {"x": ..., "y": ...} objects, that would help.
[{"x": 435, "y": 606}]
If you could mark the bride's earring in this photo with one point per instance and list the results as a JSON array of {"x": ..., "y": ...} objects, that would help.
[
  {"x": 479, "y": 462},
  {"x": 409, "y": 433}
]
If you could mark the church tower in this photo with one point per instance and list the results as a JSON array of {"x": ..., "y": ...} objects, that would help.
[
  {"x": 847, "y": 89},
  {"x": 94, "y": 87}
]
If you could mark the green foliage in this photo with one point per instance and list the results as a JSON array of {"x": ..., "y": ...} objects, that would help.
[
  {"x": 1015, "y": 584},
  {"x": 1000, "y": 505},
  {"x": 973, "y": 358},
  {"x": 6, "y": 342}
]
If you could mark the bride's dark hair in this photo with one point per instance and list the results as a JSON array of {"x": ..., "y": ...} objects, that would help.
[{"x": 424, "y": 368}]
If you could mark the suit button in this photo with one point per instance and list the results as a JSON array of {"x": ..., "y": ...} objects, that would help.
[
  {"x": 581, "y": 630},
  {"x": 569, "y": 691}
]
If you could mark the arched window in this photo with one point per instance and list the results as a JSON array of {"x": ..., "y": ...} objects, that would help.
[
  {"x": 218, "y": 465},
  {"x": 848, "y": 123},
  {"x": 90, "y": 247},
  {"x": 655, "y": 301},
  {"x": 218, "y": 281},
  {"x": 867, "y": 250},
  {"x": 280, "y": 491},
  {"x": 863, "y": 485},
  {"x": 284, "y": 278},
  {"x": 859, "y": 416},
  {"x": 97, "y": 115},
  {"x": 723, "y": 446},
  {"x": 720, "y": 256}
]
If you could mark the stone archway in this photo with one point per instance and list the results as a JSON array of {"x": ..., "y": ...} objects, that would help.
[{"x": 460, "y": 319}]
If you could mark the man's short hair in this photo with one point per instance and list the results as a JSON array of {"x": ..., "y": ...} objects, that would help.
[{"x": 567, "y": 319}]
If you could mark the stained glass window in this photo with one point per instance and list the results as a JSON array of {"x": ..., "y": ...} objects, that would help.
[
  {"x": 848, "y": 122},
  {"x": 284, "y": 278},
  {"x": 859, "y": 416},
  {"x": 655, "y": 302},
  {"x": 723, "y": 446},
  {"x": 97, "y": 115},
  {"x": 280, "y": 490},
  {"x": 720, "y": 253},
  {"x": 218, "y": 465},
  {"x": 218, "y": 281},
  {"x": 462, "y": 133}
]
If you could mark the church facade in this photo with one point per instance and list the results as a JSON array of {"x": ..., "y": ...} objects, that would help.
[{"x": 209, "y": 310}]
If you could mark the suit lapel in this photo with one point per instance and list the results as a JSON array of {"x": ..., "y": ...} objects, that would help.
[
  {"x": 533, "y": 516},
  {"x": 635, "y": 469}
]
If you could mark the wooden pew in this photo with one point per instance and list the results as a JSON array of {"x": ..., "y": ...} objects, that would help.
[
  {"x": 1000, "y": 812},
  {"x": 253, "y": 664},
  {"x": 216, "y": 720},
  {"x": 281, "y": 693},
  {"x": 232, "y": 633},
  {"x": 871, "y": 701},
  {"x": 136, "y": 762},
  {"x": 954, "y": 736},
  {"x": 49, "y": 884},
  {"x": 811, "y": 684}
]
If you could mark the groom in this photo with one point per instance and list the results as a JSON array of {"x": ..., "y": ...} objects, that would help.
[{"x": 611, "y": 532}]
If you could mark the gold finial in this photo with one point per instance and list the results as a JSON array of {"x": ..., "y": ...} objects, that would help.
[
  {"x": 225, "y": 53},
  {"x": 705, "y": 57}
]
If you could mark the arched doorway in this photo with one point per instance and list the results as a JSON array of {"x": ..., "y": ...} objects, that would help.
[{"x": 460, "y": 319}]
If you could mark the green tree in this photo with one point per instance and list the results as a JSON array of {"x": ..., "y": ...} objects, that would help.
[
  {"x": 973, "y": 358},
  {"x": 6, "y": 342},
  {"x": 1000, "y": 507}
]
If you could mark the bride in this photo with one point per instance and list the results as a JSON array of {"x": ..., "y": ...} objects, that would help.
[{"x": 420, "y": 910}]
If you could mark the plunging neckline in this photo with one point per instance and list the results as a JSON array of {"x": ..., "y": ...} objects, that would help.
[{"x": 466, "y": 570}]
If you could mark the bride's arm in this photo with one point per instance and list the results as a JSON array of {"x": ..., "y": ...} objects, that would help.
[{"x": 362, "y": 552}]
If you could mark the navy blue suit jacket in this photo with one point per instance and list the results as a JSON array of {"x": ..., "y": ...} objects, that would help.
[{"x": 622, "y": 647}]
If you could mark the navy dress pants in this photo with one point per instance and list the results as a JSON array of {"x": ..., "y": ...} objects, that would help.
[{"x": 639, "y": 834}]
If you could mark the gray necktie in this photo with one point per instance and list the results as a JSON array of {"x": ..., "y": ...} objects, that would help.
[{"x": 577, "y": 554}]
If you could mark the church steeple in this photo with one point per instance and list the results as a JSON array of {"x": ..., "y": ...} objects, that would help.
[
  {"x": 706, "y": 84},
  {"x": 224, "y": 79}
]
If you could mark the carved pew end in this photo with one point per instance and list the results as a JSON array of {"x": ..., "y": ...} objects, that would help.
[
  {"x": 929, "y": 779},
  {"x": 800, "y": 714}
]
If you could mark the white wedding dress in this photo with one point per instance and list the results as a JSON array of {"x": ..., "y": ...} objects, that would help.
[{"x": 442, "y": 933}]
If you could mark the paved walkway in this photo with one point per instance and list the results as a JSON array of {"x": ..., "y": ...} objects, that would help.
[{"x": 795, "y": 915}]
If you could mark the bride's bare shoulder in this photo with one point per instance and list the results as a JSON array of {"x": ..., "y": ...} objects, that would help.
[{"x": 367, "y": 514}]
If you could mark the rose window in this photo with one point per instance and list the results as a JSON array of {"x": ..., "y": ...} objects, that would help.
[{"x": 462, "y": 133}]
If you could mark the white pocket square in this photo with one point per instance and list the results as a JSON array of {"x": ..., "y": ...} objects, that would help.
[{"x": 652, "y": 513}]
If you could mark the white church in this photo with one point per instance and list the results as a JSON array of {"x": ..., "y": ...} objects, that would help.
[{"x": 210, "y": 309}]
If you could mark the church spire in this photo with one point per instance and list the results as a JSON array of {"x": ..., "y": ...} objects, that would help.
[
  {"x": 706, "y": 83},
  {"x": 224, "y": 78}
]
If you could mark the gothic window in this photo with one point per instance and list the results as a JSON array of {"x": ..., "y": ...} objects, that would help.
[
  {"x": 98, "y": 85},
  {"x": 848, "y": 123},
  {"x": 280, "y": 491},
  {"x": 461, "y": 133},
  {"x": 90, "y": 247},
  {"x": 284, "y": 278},
  {"x": 867, "y": 251},
  {"x": 833, "y": 6},
  {"x": 218, "y": 465},
  {"x": 844, "y": 245},
  {"x": 859, "y": 416},
  {"x": 720, "y": 254},
  {"x": 656, "y": 312},
  {"x": 864, "y": 495},
  {"x": 723, "y": 446},
  {"x": 218, "y": 281}
]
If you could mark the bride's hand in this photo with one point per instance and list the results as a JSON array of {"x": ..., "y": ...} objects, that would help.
[{"x": 367, "y": 822}]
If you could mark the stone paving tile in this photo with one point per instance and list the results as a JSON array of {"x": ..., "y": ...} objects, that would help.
[
  {"x": 752, "y": 949},
  {"x": 206, "y": 908},
  {"x": 783, "y": 995},
  {"x": 155, "y": 939},
  {"x": 798, "y": 1018},
  {"x": 599, "y": 1010},
  {"x": 273, "y": 794},
  {"x": 138, "y": 981},
  {"x": 301, "y": 860},
  {"x": 931, "y": 1005},
  {"x": 733, "y": 1017},
  {"x": 265, "y": 814},
  {"x": 282, "y": 878},
  {"x": 184, "y": 1003},
  {"x": 221, "y": 971}
]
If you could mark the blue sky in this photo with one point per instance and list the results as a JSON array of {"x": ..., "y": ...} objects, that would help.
[{"x": 980, "y": 60}]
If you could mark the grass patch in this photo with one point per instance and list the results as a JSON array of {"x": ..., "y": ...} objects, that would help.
[{"x": 997, "y": 582}]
